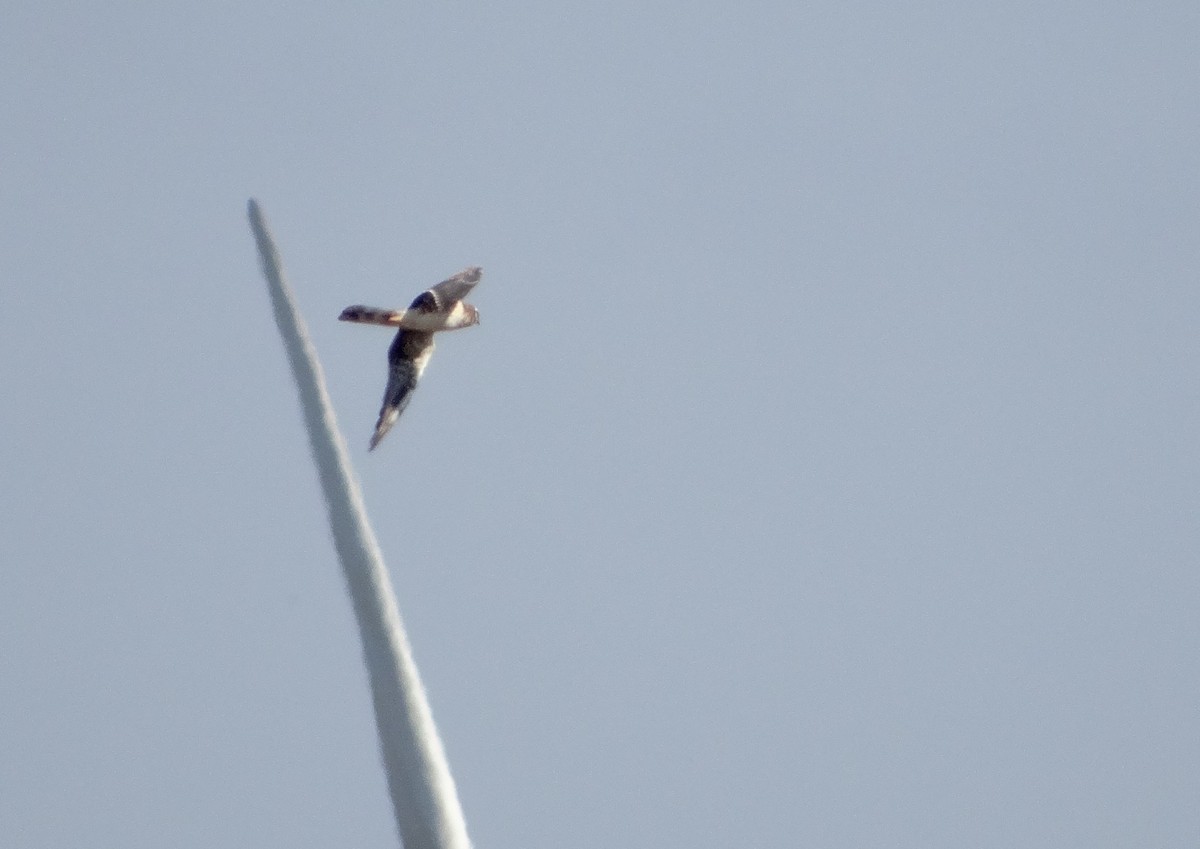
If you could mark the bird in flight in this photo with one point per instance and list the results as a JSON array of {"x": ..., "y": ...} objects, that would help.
[{"x": 438, "y": 308}]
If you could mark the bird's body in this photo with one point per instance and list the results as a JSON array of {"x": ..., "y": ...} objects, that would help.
[{"x": 436, "y": 309}]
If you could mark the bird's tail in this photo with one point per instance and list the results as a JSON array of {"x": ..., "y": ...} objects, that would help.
[{"x": 371, "y": 315}]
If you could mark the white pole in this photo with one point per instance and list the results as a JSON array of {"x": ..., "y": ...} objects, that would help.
[{"x": 428, "y": 813}]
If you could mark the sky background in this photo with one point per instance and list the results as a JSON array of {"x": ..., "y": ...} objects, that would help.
[{"x": 824, "y": 471}]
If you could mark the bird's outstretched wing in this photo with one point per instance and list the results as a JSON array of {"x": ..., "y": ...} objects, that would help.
[
  {"x": 407, "y": 359},
  {"x": 443, "y": 296}
]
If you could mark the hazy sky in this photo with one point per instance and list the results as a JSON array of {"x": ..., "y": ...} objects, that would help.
[{"x": 824, "y": 471}]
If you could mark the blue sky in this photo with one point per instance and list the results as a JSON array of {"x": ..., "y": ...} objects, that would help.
[{"x": 823, "y": 470}]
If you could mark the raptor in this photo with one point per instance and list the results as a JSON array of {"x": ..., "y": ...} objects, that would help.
[{"x": 438, "y": 308}]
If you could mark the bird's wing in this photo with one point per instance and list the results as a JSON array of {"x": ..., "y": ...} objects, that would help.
[
  {"x": 446, "y": 294},
  {"x": 407, "y": 358}
]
